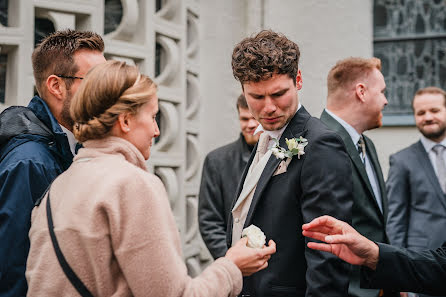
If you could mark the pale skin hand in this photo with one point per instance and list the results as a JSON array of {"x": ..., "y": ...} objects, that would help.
[
  {"x": 250, "y": 260},
  {"x": 342, "y": 241}
]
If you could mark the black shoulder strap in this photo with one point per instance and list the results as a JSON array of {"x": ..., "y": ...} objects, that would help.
[{"x": 71, "y": 275}]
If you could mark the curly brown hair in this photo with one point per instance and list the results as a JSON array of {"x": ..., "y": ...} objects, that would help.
[{"x": 257, "y": 58}]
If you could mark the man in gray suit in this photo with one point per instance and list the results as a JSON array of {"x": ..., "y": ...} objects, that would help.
[
  {"x": 354, "y": 104},
  {"x": 416, "y": 184}
]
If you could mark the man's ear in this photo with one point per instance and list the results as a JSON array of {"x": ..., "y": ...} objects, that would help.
[
  {"x": 124, "y": 122},
  {"x": 299, "y": 80},
  {"x": 360, "y": 91},
  {"x": 56, "y": 86}
]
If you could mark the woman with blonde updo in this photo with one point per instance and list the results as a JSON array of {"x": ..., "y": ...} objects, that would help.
[{"x": 107, "y": 219}]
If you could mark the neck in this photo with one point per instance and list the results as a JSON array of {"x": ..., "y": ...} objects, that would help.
[{"x": 350, "y": 117}]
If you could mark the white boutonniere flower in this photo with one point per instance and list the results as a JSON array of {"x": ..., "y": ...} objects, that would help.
[
  {"x": 256, "y": 238},
  {"x": 296, "y": 146}
]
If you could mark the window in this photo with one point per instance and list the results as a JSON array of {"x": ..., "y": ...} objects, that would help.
[
  {"x": 3, "y": 63},
  {"x": 43, "y": 27},
  {"x": 112, "y": 15},
  {"x": 4, "y": 12},
  {"x": 410, "y": 40}
]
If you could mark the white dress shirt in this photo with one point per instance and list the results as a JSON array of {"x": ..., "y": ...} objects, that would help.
[
  {"x": 428, "y": 145},
  {"x": 371, "y": 174}
]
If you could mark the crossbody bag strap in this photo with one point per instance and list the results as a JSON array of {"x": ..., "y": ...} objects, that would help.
[{"x": 71, "y": 275}]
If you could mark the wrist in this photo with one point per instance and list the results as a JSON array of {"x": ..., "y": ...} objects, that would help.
[{"x": 373, "y": 256}]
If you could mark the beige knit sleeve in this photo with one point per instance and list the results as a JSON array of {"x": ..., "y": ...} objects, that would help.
[
  {"x": 146, "y": 243},
  {"x": 223, "y": 274}
]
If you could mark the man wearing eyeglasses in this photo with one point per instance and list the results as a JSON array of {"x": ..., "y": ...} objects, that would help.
[{"x": 37, "y": 143}]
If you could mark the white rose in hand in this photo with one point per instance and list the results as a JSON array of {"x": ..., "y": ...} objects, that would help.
[{"x": 256, "y": 238}]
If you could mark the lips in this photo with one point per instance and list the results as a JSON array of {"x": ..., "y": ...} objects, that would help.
[{"x": 271, "y": 120}]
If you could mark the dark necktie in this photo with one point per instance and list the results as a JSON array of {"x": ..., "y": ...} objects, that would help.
[
  {"x": 361, "y": 149},
  {"x": 441, "y": 166}
]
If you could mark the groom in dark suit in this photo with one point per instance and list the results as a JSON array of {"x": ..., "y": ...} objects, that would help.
[
  {"x": 305, "y": 174},
  {"x": 355, "y": 100}
]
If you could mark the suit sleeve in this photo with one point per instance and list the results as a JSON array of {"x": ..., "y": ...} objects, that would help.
[
  {"x": 398, "y": 195},
  {"x": 211, "y": 214},
  {"x": 410, "y": 271},
  {"x": 22, "y": 183},
  {"x": 327, "y": 190}
]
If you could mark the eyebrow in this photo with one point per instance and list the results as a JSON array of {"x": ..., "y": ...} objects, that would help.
[
  {"x": 283, "y": 91},
  {"x": 279, "y": 92},
  {"x": 255, "y": 95}
]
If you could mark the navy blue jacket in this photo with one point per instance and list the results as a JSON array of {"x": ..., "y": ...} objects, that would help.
[{"x": 33, "y": 152}]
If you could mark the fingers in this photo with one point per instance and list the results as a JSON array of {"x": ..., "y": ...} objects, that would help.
[
  {"x": 320, "y": 221},
  {"x": 271, "y": 248},
  {"x": 321, "y": 229},
  {"x": 314, "y": 235},
  {"x": 263, "y": 266},
  {"x": 259, "y": 265},
  {"x": 319, "y": 246},
  {"x": 337, "y": 239},
  {"x": 327, "y": 224}
]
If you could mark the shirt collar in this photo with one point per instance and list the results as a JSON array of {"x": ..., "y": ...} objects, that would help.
[
  {"x": 429, "y": 144},
  {"x": 71, "y": 140},
  {"x": 354, "y": 135},
  {"x": 277, "y": 133}
]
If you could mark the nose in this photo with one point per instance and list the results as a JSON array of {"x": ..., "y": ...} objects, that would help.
[
  {"x": 252, "y": 123},
  {"x": 269, "y": 107},
  {"x": 157, "y": 130},
  {"x": 428, "y": 116}
]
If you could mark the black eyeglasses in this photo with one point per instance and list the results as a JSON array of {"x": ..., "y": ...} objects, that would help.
[{"x": 72, "y": 77}]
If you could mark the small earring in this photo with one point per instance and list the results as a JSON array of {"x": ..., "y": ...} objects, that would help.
[{"x": 127, "y": 129}]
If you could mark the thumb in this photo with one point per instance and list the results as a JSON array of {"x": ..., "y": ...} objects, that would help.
[{"x": 243, "y": 241}]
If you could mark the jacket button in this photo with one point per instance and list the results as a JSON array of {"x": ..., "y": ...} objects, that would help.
[{"x": 237, "y": 220}]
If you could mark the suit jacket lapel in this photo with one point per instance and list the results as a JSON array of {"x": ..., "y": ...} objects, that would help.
[
  {"x": 425, "y": 162},
  {"x": 351, "y": 150},
  {"x": 375, "y": 163},
  {"x": 239, "y": 190},
  {"x": 294, "y": 129}
]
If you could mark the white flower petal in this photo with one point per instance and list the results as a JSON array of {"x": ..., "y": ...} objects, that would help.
[{"x": 256, "y": 238}]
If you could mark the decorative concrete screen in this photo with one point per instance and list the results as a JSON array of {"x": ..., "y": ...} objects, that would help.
[{"x": 160, "y": 37}]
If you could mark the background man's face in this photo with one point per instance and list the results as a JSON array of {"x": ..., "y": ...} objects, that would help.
[
  {"x": 273, "y": 102},
  {"x": 375, "y": 99},
  {"x": 248, "y": 125},
  {"x": 85, "y": 60},
  {"x": 430, "y": 115}
]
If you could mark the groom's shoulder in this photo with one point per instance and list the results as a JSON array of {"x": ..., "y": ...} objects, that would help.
[
  {"x": 318, "y": 134},
  {"x": 316, "y": 127}
]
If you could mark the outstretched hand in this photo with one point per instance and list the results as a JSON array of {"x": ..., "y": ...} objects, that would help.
[
  {"x": 342, "y": 241},
  {"x": 250, "y": 260}
]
